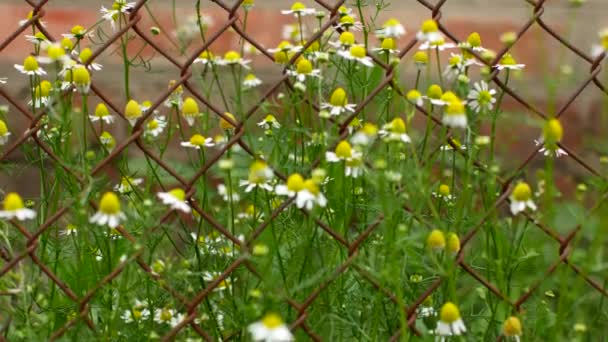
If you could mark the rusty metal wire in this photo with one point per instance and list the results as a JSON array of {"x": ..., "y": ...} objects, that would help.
[{"x": 351, "y": 246}]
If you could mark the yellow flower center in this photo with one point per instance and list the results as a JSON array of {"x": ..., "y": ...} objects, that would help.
[
  {"x": 522, "y": 192},
  {"x": 312, "y": 186},
  {"x": 347, "y": 20},
  {"x": 455, "y": 107},
  {"x": 257, "y": 171},
  {"x": 449, "y": 97},
  {"x": 429, "y": 26},
  {"x": 136, "y": 314},
  {"x": 421, "y": 57},
  {"x": 12, "y": 202},
  {"x": 190, "y": 107},
  {"x": 358, "y": 51},
  {"x": 109, "y": 203},
  {"x": 338, "y": 98},
  {"x": 388, "y": 44},
  {"x": 474, "y": 39},
  {"x": 132, "y": 110},
  {"x": 55, "y": 51},
  {"x": 66, "y": 43},
  {"x": 605, "y": 42},
  {"x": 40, "y": 36},
  {"x": 455, "y": 60},
  {"x": 298, "y": 6},
  {"x": 413, "y": 95},
  {"x": 165, "y": 315},
  {"x": 197, "y": 140},
  {"x": 295, "y": 182},
  {"x": 344, "y": 150},
  {"x": 369, "y": 129},
  {"x": 178, "y": 193},
  {"x": 3, "y": 128},
  {"x": 444, "y": 190},
  {"x": 449, "y": 313},
  {"x": 270, "y": 118},
  {"x": 436, "y": 240},
  {"x": 107, "y": 139},
  {"x": 250, "y": 77},
  {"x": 434, "y": 92},
  {"x": 272, "y": 321},
  {"x": 453, "y": 245},
  {"x": 101, "y": 110},
  {"x": 507, "y": 59},
  {"x": 304, "y": 67},
  {"x": 206, "y": 55},
  {"x": 153, "y": 124},
  {"x": 77, "y": 30},
  {"x": 224, "y": 124},
  {"x": 347, "y": 38},
  {"x": 398, "y": 125},
  {"x": 553, "y": 131},
  {"x": 81, "y": 75},
  {"x": 391, "y": 23},
  {"x": 512, "y": 327},
  {"x": 232, "y": 56},
  {"x": 30, "y": 63},
  {"x": 85, "y": 55}
]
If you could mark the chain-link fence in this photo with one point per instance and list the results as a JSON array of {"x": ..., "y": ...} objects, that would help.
[{"x": 351, "y": 246}]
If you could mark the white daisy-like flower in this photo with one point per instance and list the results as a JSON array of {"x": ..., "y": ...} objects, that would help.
[
  {"x": 443, "y": 193},
  {"x": 30, "y": 67},
  {"x": 344, "y": 42},
  {"x": 306, "y": 192},
  {"x": 552, "y": 135},
  {"x": 84, "y": 56},
  {"x": 391, "y": 28},
  {"x": 357, "y": 53},
  {"x": 206, "y": 57},
  {"x": 77, "y": 32},
  {"x": 388, "y": 46},
  {"x": 438, "y": 44},
  {"x": 415, "y": 97},
  {"x": 190, "y": 110},
  {"x": 450, "y": 323},
  {"x": 395, "y": 131},
  {"x": 349, "y": 23},
  {"x": 155, "y": 126},
  {"x": 512, "y": 328},
  {"x": 299, "y": 9},
  {"x": 38, "y": 39},
  {"x": 508, "y": 62},
  {"x": 176, "y": 199},
  {"x": 102, "y": 114},
  {"x": 365, "y": 135},
  {"x": 118, "y": 7},
  {"x": 269, "y": 122},
  {"x": 137, "y": 313},
  {"x": 304, "y": 69},
  {"x": 13, "y": 207},
  {"x": 270, "y": 328},
  {"x": 224, "y": 192},
  {"x": 553, "y": 151},
  {"x": 260, "y": 175},
  {"x": 251, "y": 81},
  {"x": 126, "y": 184},
  {"x": 107, "y": 140},
  {"x": 176, "y": 99},
  {"x": 232, "y": 58},
  {"x": 352, "y": 159},
  {"x": 481, "y": 97},
  {"x": 198, "y": 141},
  {"x": 55, "y": 53},
  {"x": 109, "y": 211},
  {"x": 521, "y": 198},
  {"x": 224, "y": 284},
  {"x": 429, "y": 32},
  {"x": 338, "y": 103},
  {"x": 168, "y": 316},
  {"x": 70, "y": 229},
  {"x": 455, "y": 115},
  {"x": 285, "y": 47}
]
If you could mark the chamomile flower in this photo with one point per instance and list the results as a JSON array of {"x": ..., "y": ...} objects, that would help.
[
  {"x": 167, "y": 316},
  {"x": 552, "y": 136},
  {"x": 30, "y": 67},
  {"x": 251, "y": 81},
  {"x": 126, "y": 184},
  {"x": 285, "y": 47},
  {"x": 443, "y": 192},
  {"x": 77, "y": 32},
  {"x": 270, "y": 328},
  {"x": 133, "y": 111},
  {"x": 269, "y": 122},
  {"x": 521, "y": 198},
  {"x": 38, "y": 39},
  {"x": 109, "y": 211},
  {"x": 306, "y": 192},
  {"x": 388, "y": 46},
  {"x": 508, "y": 62},
  {"x": 415, "y": 97},
  {"x": 338, "y": 103},
  {"x": 455, "y": 115},
  {"x": 42, "y": 94},
  {"x": 391, "y": 28},
  {"x": 353, "y": 162},
  {"x": 450, "y": 323},
  {"x": 473, "y": 43},
  {"x": 439, "y": 44},
  {"x": 260, "y": 175},
  {"x": 434, "y": 94},
  {"x": 118, "y": 7},
  {"x": 70, "y": 229},
  {"x": 304, "y": 69},
  {"x": 365, "y": 135},
  {"x": 176, "y": 199},
  {"x": 225, "y": 124},
  {"x": 512, "y": 328},
  {"x": 206, "y": 57},
  {"x": 436, "y": 240},
  {"x": 4, "y": 133},
  {"x": 421, "y": 59},
  {"x": 224, "y": 284},
  {"x": 453, "y": 244},
  {"x": 298, "y": 9},
  {"x": 345, "y": 41},
  {"x": 232, "y": 58},
  {"x": 429, "y": 32},
  {"x": 107, "y": 140},
  {"x": 602, "y": 47},
  {"x": 155, "y": 126},
  {"x": 138, "y": 313},
  {"x": 13, "y": 207},
  {"x": 102, "y": 114},
  {"x": 198, "y": 141},
  {"x": 349, "y": 23},
  {"x": 84, "y": 57},
  {"x": 395, "y": 131},
  {"x": 481, "y": 97},
  {"x": 81, "y": 79},
  {"x": 190, "y": 110},
  {"x": 54, "y": 53},
  {"x": 357, "y": 53}
]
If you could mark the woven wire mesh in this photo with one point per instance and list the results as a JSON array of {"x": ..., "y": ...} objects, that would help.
[{"x": 350, "y": 245}]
